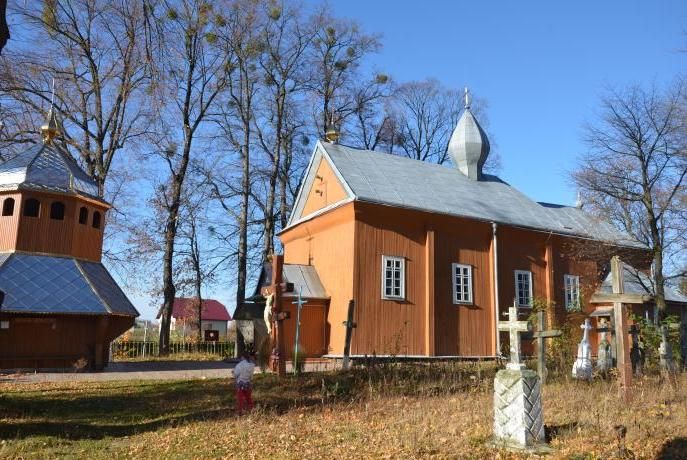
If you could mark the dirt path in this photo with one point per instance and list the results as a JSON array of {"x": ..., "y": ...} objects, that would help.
[{"x": 146, "y": 370}]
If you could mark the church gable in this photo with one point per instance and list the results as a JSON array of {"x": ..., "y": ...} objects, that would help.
[{"x": 322, "y": 188}]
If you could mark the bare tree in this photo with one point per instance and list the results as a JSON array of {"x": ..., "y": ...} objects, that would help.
[
  {"x": 95, "y": 51},
  {"x": 339, "y": 49},
  {"x": 634, "y": 172},
  {"x": 286, "y": 38},
  {"x": 4, "y": 30},
  {"x": 196, "y": 76}
]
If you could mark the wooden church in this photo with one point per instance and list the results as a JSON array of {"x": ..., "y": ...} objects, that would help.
[
  {"x": 431, "y": 254},
  {"x": 60, "y": 307}
]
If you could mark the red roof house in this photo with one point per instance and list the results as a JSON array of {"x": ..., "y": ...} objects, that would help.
[{"x": 212, "y": 310}]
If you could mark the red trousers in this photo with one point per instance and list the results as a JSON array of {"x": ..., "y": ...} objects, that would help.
[{"x": 244, "y": 399}]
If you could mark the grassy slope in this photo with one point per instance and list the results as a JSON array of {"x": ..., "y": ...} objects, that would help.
[{"x": 322, "y": 416}]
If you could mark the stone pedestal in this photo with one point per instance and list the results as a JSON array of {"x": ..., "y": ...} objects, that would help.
[{"x": 518, "y": 415}]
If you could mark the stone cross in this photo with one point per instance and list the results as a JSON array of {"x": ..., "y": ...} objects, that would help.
[
  {"x": 518, "y": 412},
  {"x": 582, "y": 369},
  {"x": 541, "y": 335},
  {"x": 514, "y": 327}
]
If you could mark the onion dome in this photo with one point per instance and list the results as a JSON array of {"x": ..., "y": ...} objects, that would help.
[{"x": 469, "y": 145}]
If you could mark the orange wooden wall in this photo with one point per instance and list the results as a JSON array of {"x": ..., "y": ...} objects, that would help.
[
  {"x": 313, "y": 334},
  {"x": 327, "y": 244},
  {"x": 326, "y": 189},
  {"x": 45, "y": 235}
]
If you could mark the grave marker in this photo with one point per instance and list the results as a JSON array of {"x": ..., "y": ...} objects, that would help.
[
  {"x": 582, "y": 368},
  {"x": 541, "y": 335},
  {"x": 518, "y": 413}
]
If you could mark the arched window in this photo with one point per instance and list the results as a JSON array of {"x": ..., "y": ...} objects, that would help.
[
  {"x": 96, "y": 219},
  {"x": 8, "y": 207},
  {"x": 57, "y": 210},
  {"x": 32, "y": 207},
  {"x": 83, "y": 215}
]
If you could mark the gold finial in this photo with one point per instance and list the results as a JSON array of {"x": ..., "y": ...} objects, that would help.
[
  {"x": 51, "y": 128},
  {"x": 332, "y": 135}
]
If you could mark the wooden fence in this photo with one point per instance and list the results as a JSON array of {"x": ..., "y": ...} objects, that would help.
[{"x": 125, "y": 350}]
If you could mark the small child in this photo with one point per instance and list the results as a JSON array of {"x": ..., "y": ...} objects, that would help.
[{"x": 243, "y": 373}]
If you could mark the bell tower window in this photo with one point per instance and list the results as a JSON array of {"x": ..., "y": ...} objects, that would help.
[
  {"x": 8, "y": 207},
  {"x": 32, "y": 207},
  {"x": 83, "y": 215},
  {"x": 57, "y": 210},
  {"x": 96, "y": 219}
]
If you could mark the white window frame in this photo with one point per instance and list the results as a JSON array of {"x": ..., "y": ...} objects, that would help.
[
  {"x": 458, "y": 288},
  {"x": 402, "y": 270},
  {"x": 571, "y": 285},
  {"x": 517, "y": 288}
]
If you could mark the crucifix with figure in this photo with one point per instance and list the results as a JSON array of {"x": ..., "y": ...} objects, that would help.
[{"x": 514, "y": 327}]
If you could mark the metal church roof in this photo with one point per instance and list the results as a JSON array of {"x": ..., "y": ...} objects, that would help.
[
  {"x": 637, "y": 282},
  {"x": 393, "y": 180},
  {"x": 50, "y": 284},
  {"x": 46, "y": 167},
  {"x": 305, "y": 280}
]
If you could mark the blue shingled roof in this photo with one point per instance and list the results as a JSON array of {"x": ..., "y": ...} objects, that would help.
[
  {"x": 49, "y": 284},
  {"x": 46, "y": 167}
]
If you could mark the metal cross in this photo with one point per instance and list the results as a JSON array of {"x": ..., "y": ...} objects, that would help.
[
  {"x": 300, "y": 302},
  {"x": 514, "y": 327},
  {"x": 586, "y": 327}
]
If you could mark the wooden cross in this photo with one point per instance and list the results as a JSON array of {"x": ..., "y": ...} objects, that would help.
[
  {"x": 350, "y": 325},
  {"x": 541, "y": 335},
  {"x": 514, "y": 327},
  {"x": 620, "y": 319},
  {"x": 300, "y": 302}
]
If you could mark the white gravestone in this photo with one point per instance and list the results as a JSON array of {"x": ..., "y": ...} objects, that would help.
[
  {"x": 582, "y": 368},
  {"x": 518, "y": 414},
  {"x": 604, "y": 361}
]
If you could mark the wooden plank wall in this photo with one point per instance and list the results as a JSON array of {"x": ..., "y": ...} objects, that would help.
[
  {"x": 327, "y": 244},
  {"x": 388, "y": 327},
  {"x": 64, "y": 237},
  {"x": 9, "y": 224},
  {"x": 465, "y": 330},
  {"x": 313, "y": 338},
  {"x": 325, "y": 190}
]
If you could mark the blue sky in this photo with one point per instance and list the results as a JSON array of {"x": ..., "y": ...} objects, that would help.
[{"x": 541, "y": 65}]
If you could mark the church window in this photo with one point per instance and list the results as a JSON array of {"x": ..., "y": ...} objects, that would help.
[
  {"x": 523, "y": 288},
  {"x": 393, "y": 277},
  {"x": 96, "y": 219},
  {"x": 8, "y": 207},
  {"x": 57, "y": 210},
  {"x": 83, "y": 215},
  {"x": 572, "y": 292},
  {"x": 462, "y": 283},
  {"x": 32, "y": 207}
]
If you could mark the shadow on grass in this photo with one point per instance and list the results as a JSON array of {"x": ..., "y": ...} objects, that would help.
[
  {"x": 118, "y": 410},
  {"x": 553, "y": 431},
  {"x": 673, "y": 449}
]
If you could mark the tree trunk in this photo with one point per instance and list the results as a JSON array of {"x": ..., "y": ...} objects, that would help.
[{"x": 4, "y": 31}]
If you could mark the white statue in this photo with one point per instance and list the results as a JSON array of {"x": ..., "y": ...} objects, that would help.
[
  {"x": 268, "y": 313},
  {"x": 582, "y": 369}
]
